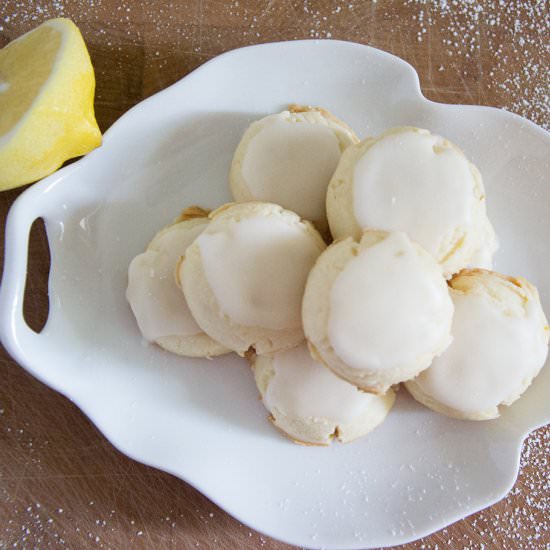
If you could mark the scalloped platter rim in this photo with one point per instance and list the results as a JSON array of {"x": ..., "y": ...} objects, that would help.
[{"x": 202, "y": 420}]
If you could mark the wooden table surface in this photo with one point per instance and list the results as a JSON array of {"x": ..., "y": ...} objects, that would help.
[{"x": 62, "y": 483}]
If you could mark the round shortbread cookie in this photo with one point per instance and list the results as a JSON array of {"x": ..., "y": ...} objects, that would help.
[
  {"x": 158, "y": 304},
  {"x": 244, "y": 276},
  {"x": 310, "y": 404},
  {"x": 289, "y": 158},
  {"x": 377, "y": 311},
  {"x": 412, "y": 181},
  {"x": 500, "y": 343}
]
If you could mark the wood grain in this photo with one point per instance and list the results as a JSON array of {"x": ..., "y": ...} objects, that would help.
[{"x": 62, "y": 483}]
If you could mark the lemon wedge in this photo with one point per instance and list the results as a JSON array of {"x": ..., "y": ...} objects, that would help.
[{"x": 47, "y": 88}]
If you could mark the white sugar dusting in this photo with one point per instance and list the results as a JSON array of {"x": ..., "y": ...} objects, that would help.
[
  {"x": 521, "y": 519},
  {"x": 514, "y": 31}
]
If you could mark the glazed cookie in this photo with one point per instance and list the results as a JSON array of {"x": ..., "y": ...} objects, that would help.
[
  {"x": 312, "y": 405},
  {"x": 158, "y": 304},
  {"x": 500, "y": 343},
  {"x": 244, "y": 276},
  {"x": 377, "y": 311},
  {"x": 410, "y": 180},
  {"x": 288, "y": 159}
]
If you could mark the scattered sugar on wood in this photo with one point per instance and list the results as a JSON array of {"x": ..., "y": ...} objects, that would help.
[{"x": 513, "y": 31}]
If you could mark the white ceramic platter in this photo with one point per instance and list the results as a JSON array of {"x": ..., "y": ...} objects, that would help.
[{"x": 202, "y": 420}]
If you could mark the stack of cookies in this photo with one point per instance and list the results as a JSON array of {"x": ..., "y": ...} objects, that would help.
[{"x": 342, "y": 269}]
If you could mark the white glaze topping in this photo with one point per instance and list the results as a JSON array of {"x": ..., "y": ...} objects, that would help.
[
  {"x": 156, "y": 301},
  {"x": 304, "y": 388},
  {"x": 257, "y": 269},
  {"x": 291, "y": 163},
  {"x": 493, "y": 355},
  {"x": 388, "y": 306},
  {"x": 483, "y": 257},
  {"x": 416, "y": 183}
]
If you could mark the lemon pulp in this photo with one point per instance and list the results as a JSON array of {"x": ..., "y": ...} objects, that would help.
[{"x": 47, "y": 88}]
